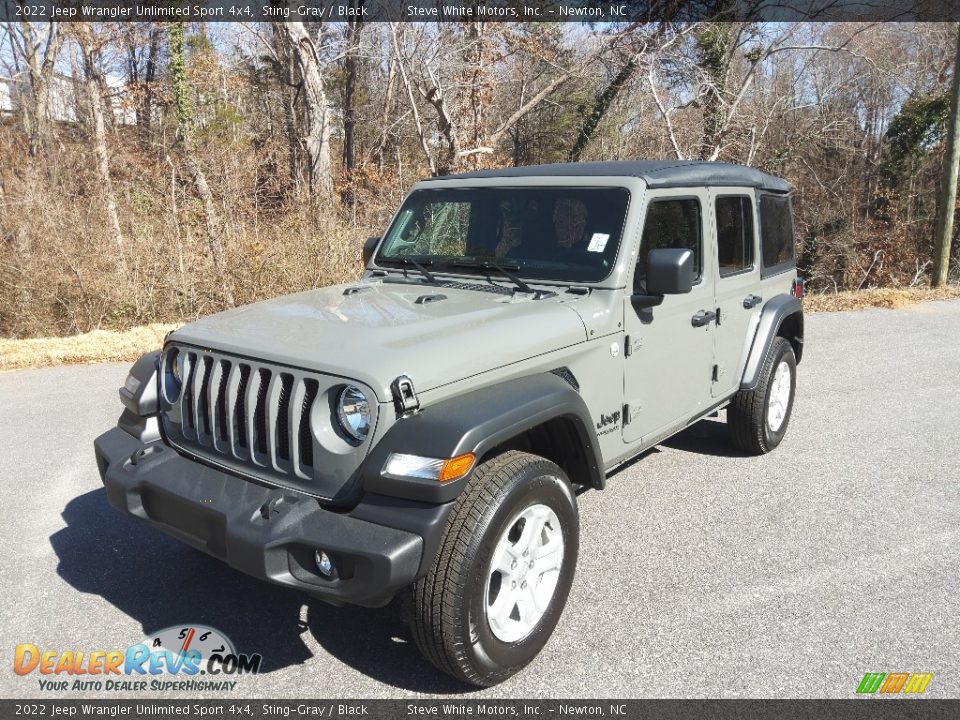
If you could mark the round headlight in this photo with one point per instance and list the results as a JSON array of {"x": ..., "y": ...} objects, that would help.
[{"x": 353, "y": 412}]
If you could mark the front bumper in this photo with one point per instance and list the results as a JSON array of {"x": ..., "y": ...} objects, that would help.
[{"x": 269, "y": 533}]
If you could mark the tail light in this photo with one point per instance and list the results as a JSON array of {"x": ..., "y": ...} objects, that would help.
[{"x": 797, "y": 288}]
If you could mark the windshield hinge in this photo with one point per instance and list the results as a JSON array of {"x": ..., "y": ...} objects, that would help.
[{"x": 404, "y": 396}]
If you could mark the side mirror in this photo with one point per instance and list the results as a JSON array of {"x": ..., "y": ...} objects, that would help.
[
  {"x": 369, "y": 247},
  {"x": 669, "y": 272}
]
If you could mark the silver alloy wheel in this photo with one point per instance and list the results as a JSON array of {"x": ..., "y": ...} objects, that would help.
[
  {"x": 779, "y": 400},
  {"x": 523, "y": 573}
]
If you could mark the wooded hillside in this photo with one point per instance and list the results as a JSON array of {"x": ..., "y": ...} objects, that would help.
[{"x": 155, "y": 172}]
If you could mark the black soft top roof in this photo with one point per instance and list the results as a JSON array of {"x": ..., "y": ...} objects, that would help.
[{"x": 655, "y": 173}]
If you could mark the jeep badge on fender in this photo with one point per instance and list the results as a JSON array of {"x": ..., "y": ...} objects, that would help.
[{"x": 516, "y": 334}]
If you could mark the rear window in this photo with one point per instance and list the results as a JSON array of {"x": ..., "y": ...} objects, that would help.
[
  {"x": 776, "y": 233},
  {"x": 734, "y": 234}
]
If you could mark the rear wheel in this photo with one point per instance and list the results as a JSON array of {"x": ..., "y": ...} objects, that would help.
[
  {"x": 501, "y": 579},
  {"x": 758, "y": 418}
]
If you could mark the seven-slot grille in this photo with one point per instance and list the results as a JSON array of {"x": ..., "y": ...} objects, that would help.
[{"x": 246, "y": 414}]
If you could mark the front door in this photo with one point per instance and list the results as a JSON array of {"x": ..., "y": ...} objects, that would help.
[
  {"x": 737, "y": 283},
  {"x": 669, "y": 355}
]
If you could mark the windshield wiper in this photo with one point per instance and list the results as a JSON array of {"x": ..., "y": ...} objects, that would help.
[
  {"x": 410, "y": 262},
  {"x": 493, "y": 265}
]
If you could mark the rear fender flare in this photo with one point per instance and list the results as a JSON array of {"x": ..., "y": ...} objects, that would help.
[{"x": 775, "y": 312}]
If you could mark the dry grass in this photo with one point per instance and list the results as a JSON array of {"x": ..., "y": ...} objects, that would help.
[
  {"x": 95, "y": 346},
  {"x": 128, "y": 345},
  {"x": 877, "y": 298}
]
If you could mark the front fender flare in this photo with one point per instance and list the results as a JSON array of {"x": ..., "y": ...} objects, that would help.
[
  {"x": 776, "y": 310},
  {"x": 477, "y": 422}
]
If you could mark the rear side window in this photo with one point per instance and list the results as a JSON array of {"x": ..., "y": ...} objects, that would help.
[
  {"x": 734, "y": 234},
  {"x": 673, "y": 223},
  {"x": 776, "y": 233}
]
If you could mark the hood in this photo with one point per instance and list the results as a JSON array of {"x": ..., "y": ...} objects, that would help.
[{"x": 372, "y": 332}]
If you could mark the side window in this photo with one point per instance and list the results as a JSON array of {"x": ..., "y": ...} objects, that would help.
[
  {"x": 671, "y": 224},
  {"x": 734, "y": 234},
  {"x": 776, "y": 231}
]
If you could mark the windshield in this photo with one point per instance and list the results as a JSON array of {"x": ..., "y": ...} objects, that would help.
[{"x": 559, "y": 233}]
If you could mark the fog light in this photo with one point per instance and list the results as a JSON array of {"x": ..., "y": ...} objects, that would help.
[{"x": 324, "y": 563}]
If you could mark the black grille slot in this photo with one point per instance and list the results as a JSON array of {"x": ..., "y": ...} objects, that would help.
[
  {"x": 283, "y": 420},
  {"x": 260, "y": 413},
  {"x": 240, "y": 408},
  {"x": 306, "y": 439},
  {"x": 221, "y": 409},
  {"x": 187, "y": 404},
  {"x": 203, "y": 401}
]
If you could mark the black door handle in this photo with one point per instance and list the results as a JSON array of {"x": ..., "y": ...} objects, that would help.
[
  {"x": 751, "y": 301},
  {"x": 702, "y": 318}
]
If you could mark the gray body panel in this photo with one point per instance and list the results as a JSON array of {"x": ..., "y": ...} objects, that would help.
[{"x": 382, "y": 332}]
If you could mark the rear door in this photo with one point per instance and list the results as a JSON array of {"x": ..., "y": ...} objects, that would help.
[
  {"x": 737, "y": 283},
  {"x": 777, "y": 259},
  {"x": 668, "y": 360}
]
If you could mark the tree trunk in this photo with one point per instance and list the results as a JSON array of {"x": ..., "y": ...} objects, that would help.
[
  {"x": 448, "y": 159},
  {"x": 214, "y": 231},
  {"x": 40, "y": 72},
  {"x": 713, "y": 51},
  {"x": 318, "y": 114},
  {"x": 181, "y": 101},
  {"x": 948, "y": 191},
  {"x": 351, "y": 68},
  {"x": 99, "y": 137},
  {"x": 476, "y": 58},
  {"x": 601, "y": 104},
  {"x": 387, "y": 109},
  {"x": 145, "y": 99}
]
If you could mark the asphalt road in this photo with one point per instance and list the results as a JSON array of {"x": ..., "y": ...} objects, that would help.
[{"x": 702, "y": 573}]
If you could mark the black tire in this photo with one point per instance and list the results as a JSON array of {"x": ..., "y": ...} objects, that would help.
[
  {"x": 447, "y": 608},
  {"x": 747, "y": 412}
]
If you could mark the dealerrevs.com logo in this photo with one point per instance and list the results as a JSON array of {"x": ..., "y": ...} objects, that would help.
[{"x": 170, "y": 660}]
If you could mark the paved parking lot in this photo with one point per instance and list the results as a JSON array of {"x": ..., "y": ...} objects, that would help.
[{"x": 702, "y": 573}]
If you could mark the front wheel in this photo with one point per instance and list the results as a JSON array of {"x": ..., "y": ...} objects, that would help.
[{"x": 500, "y": 581}]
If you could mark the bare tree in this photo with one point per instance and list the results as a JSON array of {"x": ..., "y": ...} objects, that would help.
[
  {"x": 184, "y": 112},
  {"x": 319, "y": 118},
  {"x": 90, "y": 48},
  {"x": 38, "y": 50},
  {"x": 452, "y": 77},
  {"x": 351, "y": 71},
  {"x": 947, "y": 202},
  {"x": 142, "y": 45}
]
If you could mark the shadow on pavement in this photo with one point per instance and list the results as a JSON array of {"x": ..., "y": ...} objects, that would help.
[
  {"x": 160, "y": 582},
  {"x": 707, "y": 437}
]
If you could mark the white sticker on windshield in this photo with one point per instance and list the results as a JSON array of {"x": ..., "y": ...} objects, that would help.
[{"x": 598, "y": 242}]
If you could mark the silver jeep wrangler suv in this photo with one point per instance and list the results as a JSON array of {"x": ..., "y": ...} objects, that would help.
[{"x": 516, "y": 334}]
